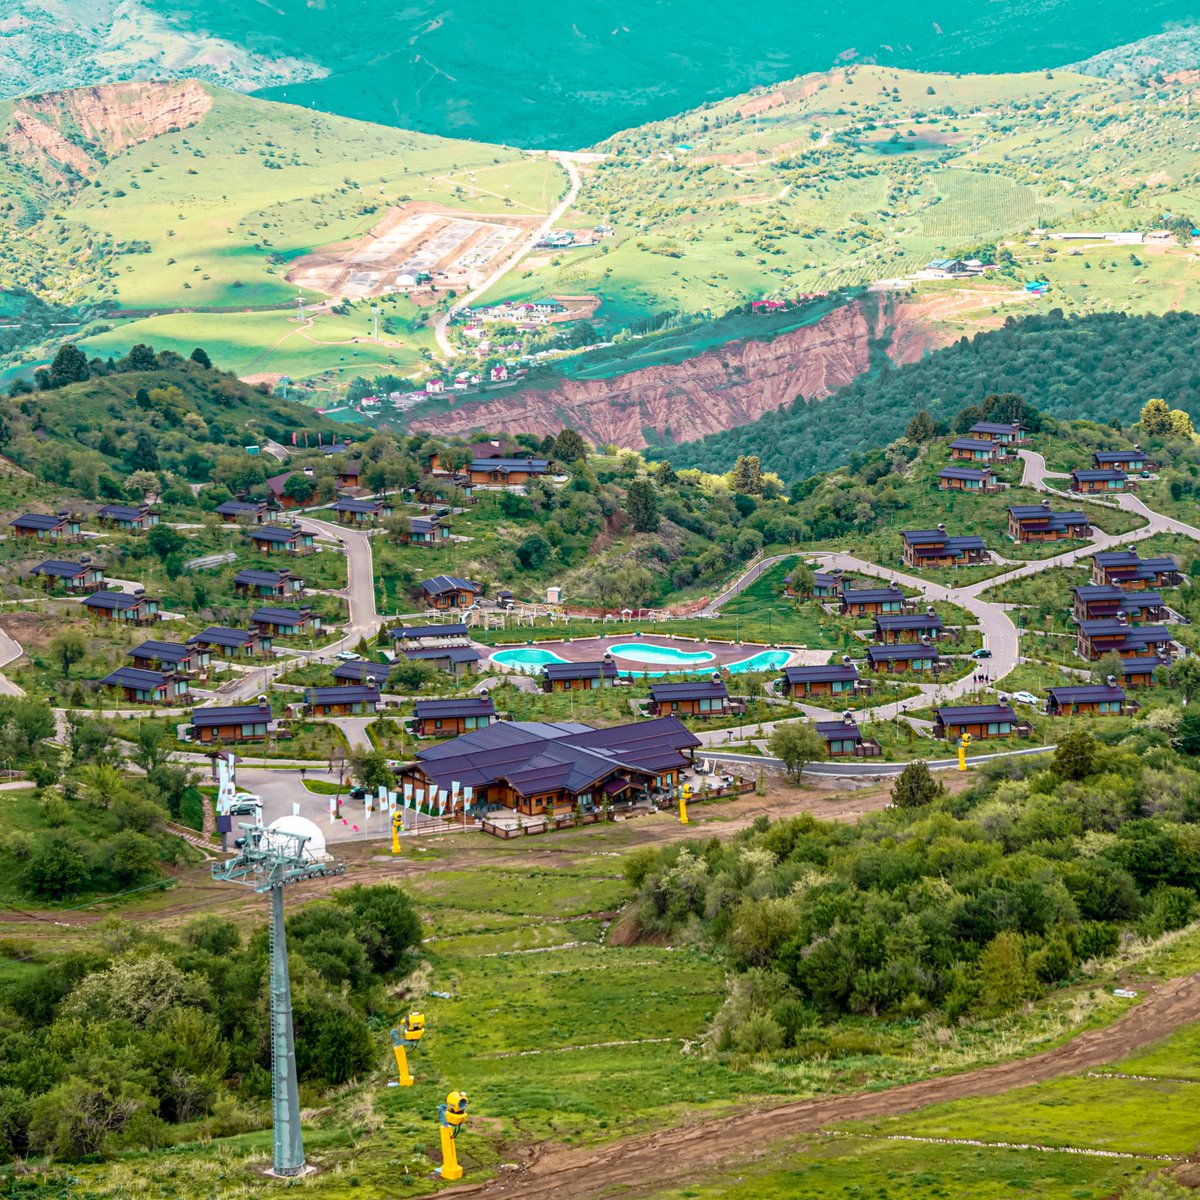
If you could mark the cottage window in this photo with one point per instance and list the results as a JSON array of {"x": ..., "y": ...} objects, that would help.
[{"x": 256, "y": 729}]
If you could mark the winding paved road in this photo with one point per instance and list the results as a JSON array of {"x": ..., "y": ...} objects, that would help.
[
  {"x": 360, "y": 583},
  {"x": 568, "y": 161}
]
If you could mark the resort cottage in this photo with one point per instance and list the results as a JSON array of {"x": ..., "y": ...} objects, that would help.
[
  {"x": 506, "y": 472},
  {"x": 844, "y": 740},
  {"x": 182, "y": 659},
  {"x": 892, "y": 660},
  {"x": 132, "y": 519},
  {"x": 859, "y": 602},
  {"x": 568, "y": 676},
  {"x": 1115, "y": 635},
  {"x": 272, "y": 623},
  {"x": 891, "y": 629},
  {"x": 233, "y": 511},
  {"x": 981, "y": 721},
  {"x": 362, "y": 512},
  {"x": 231, "y": 643},
  {"x": 274, "y": 584},
  {"x": 701, "y": 699},
  {"x": 1086, "y": 698},
  {"x": 1103, "y": 480},
  {"x": 348, "y": 700},
  {"x": 1133, "y": 461},
  {"x": 240, "y": 723},
  {"x": 1004, "y": 435},
  {"x": 445, "y": 592},
  {"x": 966, "y": 479},
  {"x": 73, "y": 576},
  {"x": 281, "y": 539},
  {"x": 1040, "y": 523},
  {"x": 932, "y": 548},
  {"x": 65, "y": 527},
  {"x": 539, "y": 768},
  {"x": 146, "y": 687},
  {"x": 424, "y": 531},
  {"x": 1132, "y": 573},
  {"x": 1097, "y": 601},
  {"x": 833, "y": 679},
  {"x": 453, "y": 660},
  {"x": 135, "y": 608},
  {"x": 975, "y": 450},
  {"x": 449, "y": 718}
]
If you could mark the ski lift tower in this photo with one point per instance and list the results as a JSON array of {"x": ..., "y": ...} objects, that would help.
[{"x": 268, "y": 860}]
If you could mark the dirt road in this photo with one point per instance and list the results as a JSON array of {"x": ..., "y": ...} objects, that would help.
[{"x": 647, "y": 1164}]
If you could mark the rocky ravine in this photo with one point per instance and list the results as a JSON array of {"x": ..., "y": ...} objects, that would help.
[{"x": 719, "y": 389}]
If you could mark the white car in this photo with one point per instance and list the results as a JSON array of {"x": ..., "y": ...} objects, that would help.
[
  {"x": 1026, "y": 698},
  {"x": 347, "y": 655}
]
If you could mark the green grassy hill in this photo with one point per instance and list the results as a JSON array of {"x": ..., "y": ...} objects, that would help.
[{"x": 860, "y": 174}]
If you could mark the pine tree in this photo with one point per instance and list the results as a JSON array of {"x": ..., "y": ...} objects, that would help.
[
  {"x": 747, "y": 475},
  {"x": 921, "y": 428},
  {"x": 569, "y": 447},
  {"x": 641, "y": 503},
  {"x": 915, "y": 787},
  {"x": 200, "y": 357},
  {"x": 69, "y": 366}
]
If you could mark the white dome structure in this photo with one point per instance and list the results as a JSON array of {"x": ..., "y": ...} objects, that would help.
[{"x": 299, "y": 827}]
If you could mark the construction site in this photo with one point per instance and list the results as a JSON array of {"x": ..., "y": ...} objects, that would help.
[{"x": 413, "y": 246}]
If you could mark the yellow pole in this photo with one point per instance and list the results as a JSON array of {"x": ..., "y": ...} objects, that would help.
[
  {"x": 683, "y": 817},
  {"x": 406, "y": 1080},
  {"x": 450, "y": 1168},
  {"x": 397, "y": 825},
  {"x": 963, "y": 743}
]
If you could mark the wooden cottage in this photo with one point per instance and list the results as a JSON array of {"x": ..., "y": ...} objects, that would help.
[
  {"x": 858, "y": 602},
  {"x": 134, "y": 608},
  {"x": 130, "y": 518},
  {"x": 449, "y": 718},
  {"x": 272, "y": 623},
  {"x": 1116, "y": 635},
  {"x": 966, "y": 449},
  {"x": 345, "y": 700},
  {"x": 577, "y": 676},
  {"x": 506, "y": 472},
  {"x": 843, "y": 739},
  {"x": 706, "y": 698},
  {"x": 981, "y": 721},
  {"x": 1129, "y": 571},
  {"x": 281, "y": 539},
  {"x": 1086, "y": 699},
  {"x": 894, "y": 628},
  {"x": 224, "y": 642},
  {"x": 966, "y": 479},
  {"x": 446, "y": 592},
  {"x": 275, "y": 585},
  {"x": 833, "y": 679},
  {"x": 1098, "y": 601},
  {"x": 362, "y": 512},
  {"x": 891, "y": 660},
  {"x": 141, "y": 686},
  {"x": 1102, "y": 481},
  {"x": 233, "y": 511},
  {"x": 239, "y": 723},
  {"x": 933, "y": 548},
  {"x": 1040, "y": 523},
  {"x": 65, "y": 527},
  {"x": 182, "y": 659},
  {"x": 73, "y": 576}
]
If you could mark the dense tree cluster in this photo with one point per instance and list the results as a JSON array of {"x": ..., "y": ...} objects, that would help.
[
  {"x": 1104, "y": 366},
  {"x": 111, "y": 1046},
  {"x": 963, "y": 904}
]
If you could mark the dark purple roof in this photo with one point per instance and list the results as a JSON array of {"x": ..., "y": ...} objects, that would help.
[
  {"x": 63, "y": 570},
  {"x": 965, "y": 443},
  {"x": 281, "y": 616},
  {"x": 581, "y": 670},
  {"x": 117, "y": 601},
  {"x": 914, "y": 650},
  {"x": 135, "y": 677},
  {"x": 346, "y": 694},
  {"x": 273, "y": 533},
  {"x": 454, "y": 654},
  {"x": 964, "y": 473},
  {"x": 871, "y": 595},
  {"x": 440, "y": 584},
  {"x": 712, "y": 689},
  {"x": 469, "y": 706},
  {"x": 973, "y": 714},
  {"x": 235, "y": 508},
  {"x": 360, "y": 670},
  {"x": 223, "y": 635},
  {"x": 885, "y": 621},
  {"x": 265, "y": 578},
  {"x": 1086, "y": 694},
  {"x": 1097, "y": 475},
  {"x": 830, "y": 673},
  {"x": 830, "y": 730},
  {"x": 1110, "y": 457},
  {"x": 123, "y": 512},
  {"x": 415, "y": 633},
  {"x": 38, "y": 521},
  {"x": 166, "y": 652},
  {"x": 237, "y": 715}
]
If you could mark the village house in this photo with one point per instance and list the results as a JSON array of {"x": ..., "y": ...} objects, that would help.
[
  {"x": 277, "y": 486},
  {"x": 981, "y": 721},
  {"x": 1040, "y": 523},
  {"x": 146, "y": 687},
  {"x": 362, "y": 670},
  {"x": 1132, "y": 573},
  {"x": 1116, "y": 635},
  {"x": 273, "y": 584},
  {"x": 995, "y": 431},
  {"x": 349, "y": 475},
  {"x": 182, "y": 659},
  {"x": 506, "y": 472},
  {"x": 576, "y": 676},
  {"x": 329, "y": 449},
  {"x": 345, "y": 700},
  {"x": 825, "y": 585},
  {"x": 424, "y": 531},
  {"x": 1096, "y": 601},
  {"x": 966, "y": 479},
  {"x": 233, "y": 511},
  {"x": 231, "y": 643},
  {"x": 860, "y": 602},
  {"x": 975, "y": 450},
  {"x": 843, "y": 739},
  {"x": 452, "y": 660},
  {"x": 445, "y": 592},
  {"x": 539, "y": 768},
  {"x": 362, "y": 512},
  {"x": 281, "y": 539},
  {"x": 449, "y": 718},
  {"x": 894, "y": 628},
  {"x": 1133, "y": 461},
  {"x": 1085, "y": 699},
  {"x": 704, "y": 698},
  {"x": 932, "y": 548},
  {"x": 134, "y": 608},
  {"x": 273, "y": 623},
  {"x": 1139, "y": 670},
  {"x": 833, "y": 679},
  {"x": 65, "y": 527},
  {"x": 240, "y": 723},
  {"x": 441, "y": 491},
  {"x": 915, "y": 656},
  {"x": 132, "y": 519},
  {"x": 1103, "y": 480},
  {"x": 422, "y": 636},
  {"x": 73, "y": 576}
]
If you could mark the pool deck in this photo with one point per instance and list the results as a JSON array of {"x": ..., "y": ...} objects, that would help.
[{"x": 724, "y": 653}]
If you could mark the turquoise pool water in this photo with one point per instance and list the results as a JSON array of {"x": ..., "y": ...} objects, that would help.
[
  {"x": 764, "y": 660},
  {"x": 528, "y": 659},
  {"x": 661, "y": 656},
  {"x": 531, "y": 659}
]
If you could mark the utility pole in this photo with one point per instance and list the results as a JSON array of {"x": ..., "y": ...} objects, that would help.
[{"x": 267, "y": 861}]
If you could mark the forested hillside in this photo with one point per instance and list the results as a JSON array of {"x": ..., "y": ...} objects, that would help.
[{"x": 1099, "y": 367}]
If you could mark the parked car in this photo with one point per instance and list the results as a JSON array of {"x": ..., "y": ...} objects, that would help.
[
  {"x": 982, "y": 652},
  {"x": 346, "y": 655},
  {"x": 1026, "y": 698}
]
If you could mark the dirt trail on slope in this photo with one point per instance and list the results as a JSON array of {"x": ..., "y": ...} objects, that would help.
[{"x": 648, "y": 1163}]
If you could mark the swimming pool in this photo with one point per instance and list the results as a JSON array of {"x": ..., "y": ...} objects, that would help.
[
  {"x": 662, "y": 656},
  {"x": 527, "y": 659},
  {"x": 764, "y": 660}
]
